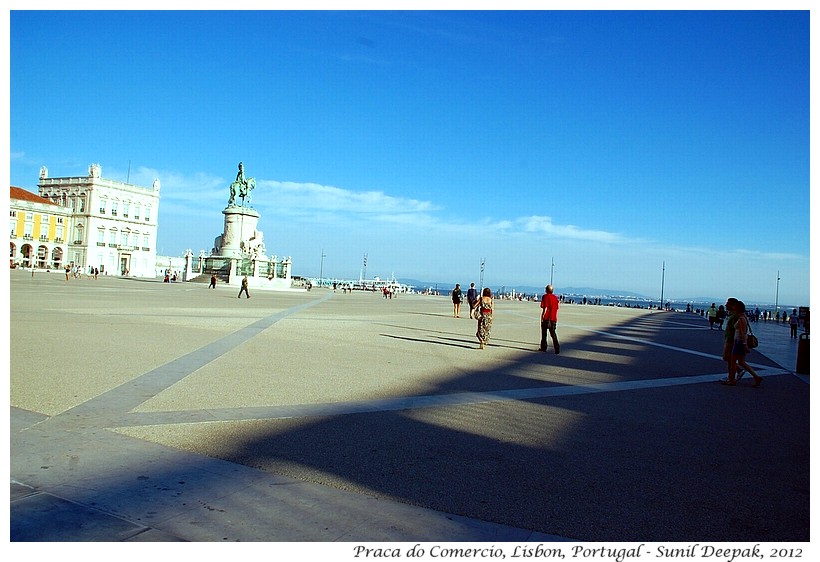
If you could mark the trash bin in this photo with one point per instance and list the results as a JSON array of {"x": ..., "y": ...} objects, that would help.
[{"x": 802, "y": 367}]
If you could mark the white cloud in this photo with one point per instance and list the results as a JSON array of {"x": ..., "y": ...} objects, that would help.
[
  {"x": 292, "y": 195},
  {"x": 308, "y": 198},
  {"x": 767, "y": 256},
  {"x": 540, "y": 224}
]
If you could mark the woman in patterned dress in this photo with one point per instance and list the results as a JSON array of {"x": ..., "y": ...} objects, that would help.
[{"x": 484, "y": 313}]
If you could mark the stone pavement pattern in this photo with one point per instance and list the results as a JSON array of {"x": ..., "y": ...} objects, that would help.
[{"x": 174, "y": 412}]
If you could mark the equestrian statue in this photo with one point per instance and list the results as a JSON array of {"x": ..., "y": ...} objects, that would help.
[{"x": 241, "y": 188}]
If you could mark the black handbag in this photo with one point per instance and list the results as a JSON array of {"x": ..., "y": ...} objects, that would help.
[{"x": 751, "y": 339}]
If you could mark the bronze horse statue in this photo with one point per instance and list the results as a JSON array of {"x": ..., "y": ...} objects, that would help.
[{"x": 241, "y": 187}]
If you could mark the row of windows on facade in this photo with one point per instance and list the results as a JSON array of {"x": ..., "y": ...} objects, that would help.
[
  {"x": 28, "y": 226},
  {"x": 28, "y": 232},
  {"x": 44, "y": 218},
  {"x": 77, "y": 204},
  {"x": 124, "y": 237},
  {"x": 79, "y": 234}
]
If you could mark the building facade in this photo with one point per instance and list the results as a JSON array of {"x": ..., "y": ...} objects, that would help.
[
  {"x": 114, "y": 224},
  {"x": 39, "y": 231}
]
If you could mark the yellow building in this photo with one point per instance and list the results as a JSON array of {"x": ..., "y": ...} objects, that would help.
[{"x": 39, "y": 229}]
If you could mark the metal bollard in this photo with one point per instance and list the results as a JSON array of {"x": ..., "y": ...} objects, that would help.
[{"x": 802, "y": 367}]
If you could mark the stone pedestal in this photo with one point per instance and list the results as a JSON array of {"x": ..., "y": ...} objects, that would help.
[{"x": 240, "y": 226}]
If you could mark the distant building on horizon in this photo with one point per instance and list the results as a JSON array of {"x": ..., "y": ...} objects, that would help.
[{"x": 114, "y": 224}]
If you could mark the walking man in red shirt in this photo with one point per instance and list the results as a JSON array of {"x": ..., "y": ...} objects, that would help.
[{"x": 549, "y": 319}]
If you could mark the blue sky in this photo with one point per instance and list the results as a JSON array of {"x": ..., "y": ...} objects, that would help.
[{"x": 608, "y": 142}]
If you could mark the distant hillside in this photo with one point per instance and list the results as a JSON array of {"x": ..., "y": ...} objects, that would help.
[
  {"x": 527, "y": 289},
  {"x": 590, "y": 291}
]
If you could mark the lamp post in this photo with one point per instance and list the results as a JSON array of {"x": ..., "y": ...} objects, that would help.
[
  {"x": 777, "y": 293},
  {"x": 663, "y": 278},
  {"x": 481, "y": 277},
  {"x": 322, "y": 267},
  {"x": 552, "y": 268}
]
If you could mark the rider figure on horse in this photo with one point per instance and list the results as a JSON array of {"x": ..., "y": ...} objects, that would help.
[{"x": 241, "y": 186}]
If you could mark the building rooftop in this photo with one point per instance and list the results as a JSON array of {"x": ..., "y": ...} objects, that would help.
[{"x": 25, "y": 195}]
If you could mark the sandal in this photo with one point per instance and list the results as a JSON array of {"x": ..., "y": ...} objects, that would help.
[
  {"x": 758, "y": 380},
  {"x": 727, "y": 382}
]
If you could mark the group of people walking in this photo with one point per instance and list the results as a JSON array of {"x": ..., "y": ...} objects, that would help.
[
  {"x": 482, "y": 306},
  {"x": 76, "y": 272},
  {"x": 717, "y": 315}
]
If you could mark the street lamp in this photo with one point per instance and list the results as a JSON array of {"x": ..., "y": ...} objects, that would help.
[
  {"x": 777, "y": 293},
  {"x": 663, "y": 278},
  {"x": 322, "y": 267}
]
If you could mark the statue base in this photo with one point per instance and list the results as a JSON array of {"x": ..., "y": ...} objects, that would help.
[{"x": 240, "y": 228}]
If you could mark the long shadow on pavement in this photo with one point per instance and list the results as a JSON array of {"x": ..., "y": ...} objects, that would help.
[{"x": 681, "y": 463}]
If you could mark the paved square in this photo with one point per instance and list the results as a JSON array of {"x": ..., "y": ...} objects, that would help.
[{"x": 326, "y": 416}]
